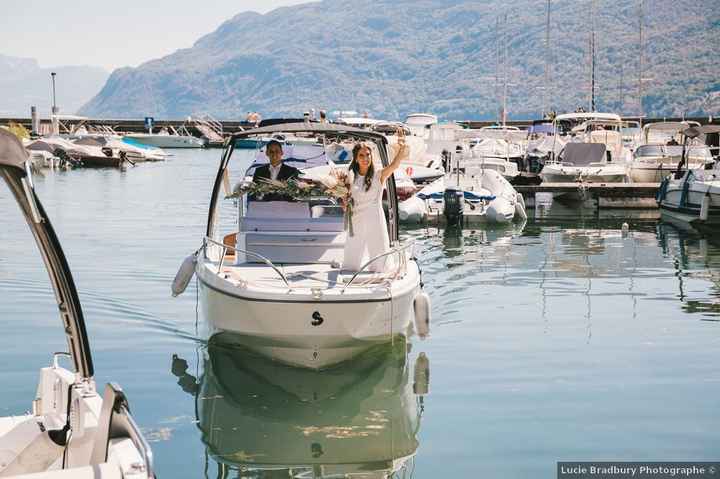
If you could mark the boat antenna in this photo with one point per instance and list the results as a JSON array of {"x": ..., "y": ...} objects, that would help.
[
  {"x": 54, "y": 103},
  {"x": 592, "y": 55},
  {"x": 505, "y": 71},
  {"x": 497, "y": 63},
  {"x": 640, "y": 60},
  {"x": 546, "y": 105}
]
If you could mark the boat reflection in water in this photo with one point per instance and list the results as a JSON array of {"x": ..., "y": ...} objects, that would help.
[
  {"x": 696, "y": 258},
  {"x": 267, "y": 419}
]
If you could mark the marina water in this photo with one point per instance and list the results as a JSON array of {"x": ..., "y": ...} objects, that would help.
[{"x": 561, "y": 339}]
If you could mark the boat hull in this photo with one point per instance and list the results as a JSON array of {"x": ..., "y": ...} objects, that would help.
[
  {"x": 301, "y": 331},
  {"x": 688, "y": 210},
  {"x": 656, "y": 172},
  {"x": 169, "y": 141},
  {"x": 552, "y": 177}
]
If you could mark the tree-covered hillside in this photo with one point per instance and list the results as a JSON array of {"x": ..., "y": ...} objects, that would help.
[{"x": 394, "y": 57}]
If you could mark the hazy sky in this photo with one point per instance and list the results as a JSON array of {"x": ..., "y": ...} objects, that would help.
[{"x": 113, "y": 34}]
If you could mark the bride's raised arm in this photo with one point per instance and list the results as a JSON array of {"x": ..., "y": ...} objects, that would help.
[{"x": 400, "y": 155}]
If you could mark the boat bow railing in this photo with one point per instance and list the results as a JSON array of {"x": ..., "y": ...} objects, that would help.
[
  {"x": 399, "y": 250},
  {"x": 225, "y": 247}
]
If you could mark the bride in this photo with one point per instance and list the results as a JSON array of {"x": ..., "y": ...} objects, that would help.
[{"x": 370, "y": 234}]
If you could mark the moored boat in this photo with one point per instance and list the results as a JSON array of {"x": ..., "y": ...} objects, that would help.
[
  {"x": 168, "y": 138},
  {"x": 692, "y": 196},
  {"x": 662, "y": 150},
  {"x": 467, "y": 194},
  {"x": 277, "y": 276}
]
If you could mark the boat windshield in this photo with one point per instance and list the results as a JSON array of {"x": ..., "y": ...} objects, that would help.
[
  {"x": 693, "y": 151},
  {"x": 650, "y": 150},
  {"x": 307, "y": 193}
]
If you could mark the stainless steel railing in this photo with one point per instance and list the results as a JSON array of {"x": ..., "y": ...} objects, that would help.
[
  {"x": 226, "y": 247},
  {"x": 397, "y": 250}
]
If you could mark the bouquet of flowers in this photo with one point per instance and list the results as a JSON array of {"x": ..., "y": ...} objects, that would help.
[{"x": 335, "y": 185}]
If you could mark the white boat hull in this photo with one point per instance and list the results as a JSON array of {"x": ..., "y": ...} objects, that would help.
[
  {"x": 655, "y": 172},
  {"x": 555, "y": 173},
  {"x": 169, "y": 141},
  {"x": 296, "y": 329},
  {"x": 501, "y": 208},
  {"x": 686, "y": 207}
]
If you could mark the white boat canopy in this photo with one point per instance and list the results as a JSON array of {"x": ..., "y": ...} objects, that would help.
[{"x": 15, "y": 171}]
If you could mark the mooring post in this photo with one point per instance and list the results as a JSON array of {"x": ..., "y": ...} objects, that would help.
[{"x": 34, "y": 121}]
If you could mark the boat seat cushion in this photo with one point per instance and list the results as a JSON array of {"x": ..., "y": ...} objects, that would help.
[
  {"x": 291, "y": 217},
  {"x": 323, "y": 224},
  {"x": 313, "y": 247},
  {"x": 277, "y": 209}
]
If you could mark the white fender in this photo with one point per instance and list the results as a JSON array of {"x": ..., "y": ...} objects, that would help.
[
  {"x": 500, "y": 210},
  {"x": 705, "y": 208},
  {"x": 412, "y": 210},
  {"x": 184, "y": 275},
  {"x": 520, "y": 207},
  {"x": 421, "y": 305}
]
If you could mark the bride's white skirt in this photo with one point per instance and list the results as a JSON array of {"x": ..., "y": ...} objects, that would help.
[{"x": 370, "y": 239}]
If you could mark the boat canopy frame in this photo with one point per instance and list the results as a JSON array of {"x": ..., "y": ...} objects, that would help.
[
  {"x": 329, "y": 131},
  {"x": 15, "y": 170}
]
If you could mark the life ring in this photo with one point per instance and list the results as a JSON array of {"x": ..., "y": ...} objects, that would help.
[{"x": 409, "y": 170}]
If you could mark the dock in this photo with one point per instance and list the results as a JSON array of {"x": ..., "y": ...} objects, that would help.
[{"x": 601, "y": 195}]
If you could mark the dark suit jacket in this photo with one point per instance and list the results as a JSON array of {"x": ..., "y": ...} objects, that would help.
[{"x": 286, "y": 172}]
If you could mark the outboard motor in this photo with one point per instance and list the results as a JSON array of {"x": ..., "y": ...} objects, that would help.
[{"x": 454, "y": 200}]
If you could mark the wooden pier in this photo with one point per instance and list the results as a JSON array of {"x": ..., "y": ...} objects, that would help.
[{"x": 601, "y": 195}]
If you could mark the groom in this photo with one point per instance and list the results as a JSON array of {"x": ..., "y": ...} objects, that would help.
[{"x": 276, "y": 170}]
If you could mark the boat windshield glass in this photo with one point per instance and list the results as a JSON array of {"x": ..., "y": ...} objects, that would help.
[
  {"x": 649, "y": 150},
  {"x": 312, "y": 203},
  {"x": 693, "y": 151}
]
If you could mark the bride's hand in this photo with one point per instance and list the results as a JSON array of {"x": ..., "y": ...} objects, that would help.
[{"x": 402, "y": 146}]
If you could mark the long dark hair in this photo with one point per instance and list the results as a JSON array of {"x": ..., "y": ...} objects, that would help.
[{"x": 355, "y": 167}]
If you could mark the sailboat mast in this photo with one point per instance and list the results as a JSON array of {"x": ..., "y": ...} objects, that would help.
[
  {"x": 546, "y": 102},
  {"x": 505, "y": 73},
  {"x": 497, "y": 66},
  {"x": 640, "y": 61},
  {"x": 592, "y": 55}
]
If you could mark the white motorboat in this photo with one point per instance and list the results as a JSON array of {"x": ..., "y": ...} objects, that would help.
[
  {"x": 78, "y": 154},
  {"x": 492, "y": 154},
  {"x": 168, "y": 138},
  {"x": 468, "y": 194},
  {"x": 692, "y": 196},
  {"x": 271, "y": 270},
  {"x": 582, "y": 160},
  {"x": 542, "y": 147},
  {"x": 137, "y": 152},
  {"x": 662, "y": 151},
  {"x": 652, "y": 163},
  {"x": 359, "y": 419},
  {"x": 420, "y": 123},
  {"x": 421, "y": 166},
  {"x": 72, "y": 430}
]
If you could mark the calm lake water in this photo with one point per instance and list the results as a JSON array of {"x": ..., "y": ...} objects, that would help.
[{"x": 560, "y": 340}]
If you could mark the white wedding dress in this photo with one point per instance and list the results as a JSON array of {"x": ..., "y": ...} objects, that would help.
[{"x": 370, "y": 234}]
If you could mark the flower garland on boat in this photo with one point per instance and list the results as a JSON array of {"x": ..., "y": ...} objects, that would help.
[{"x": 335, "y": 185}]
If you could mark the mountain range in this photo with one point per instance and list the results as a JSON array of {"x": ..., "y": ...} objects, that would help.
[
  {"x": 395, "y": 57},
  {"x": 23, "y": 83}
]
